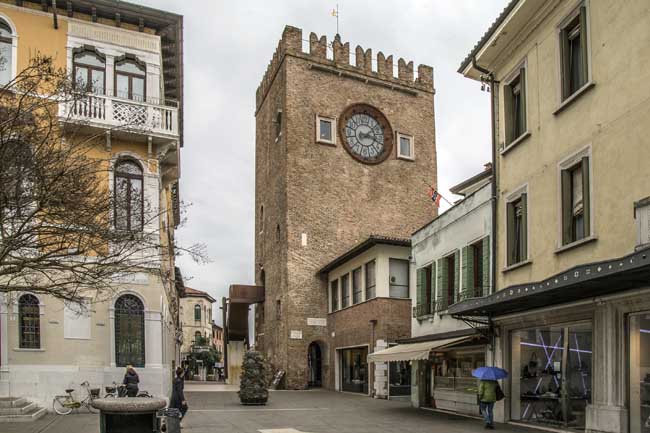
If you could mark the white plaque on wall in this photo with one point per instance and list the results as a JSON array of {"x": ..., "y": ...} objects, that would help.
[
  {"x": 295, "y": 335},
  {"x": 316, "y": 321}
]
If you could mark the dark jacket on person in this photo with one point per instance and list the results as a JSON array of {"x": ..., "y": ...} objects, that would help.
[
  {"x": 131, "y": 381},
  {"x": 178, "y": 397}
]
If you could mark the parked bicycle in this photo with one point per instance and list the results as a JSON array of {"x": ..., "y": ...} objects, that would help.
[
  {"x": 64, "y": 404},
  {"x": 119, "y": 391}
]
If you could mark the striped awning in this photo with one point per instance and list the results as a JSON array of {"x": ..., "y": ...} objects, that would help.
[{"x": 414, "y": 351}]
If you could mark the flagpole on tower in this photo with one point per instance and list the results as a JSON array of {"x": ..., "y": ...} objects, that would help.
[{"x": 335, "y": 13}]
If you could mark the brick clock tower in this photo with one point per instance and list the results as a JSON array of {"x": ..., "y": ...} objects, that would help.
[{"x": 344, "y": 150}]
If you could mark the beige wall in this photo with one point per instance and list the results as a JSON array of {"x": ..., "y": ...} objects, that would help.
[
  {"x": 611, "y": 119},
  {"x": 191, "y": 326}
]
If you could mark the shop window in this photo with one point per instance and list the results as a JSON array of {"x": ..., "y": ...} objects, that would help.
[
  {"x": 398, "y": 270},
  {"x": 345, "y": 291},
  {"x": 334, "y": 295},
  {"x": 356, "y": 286},
  {"x": 551, "y": 375},
  {"x": 399, "y": 378},
  {"x": 370, "y": 280},
  {"x": 354, "y": 370},
  {"x": 453, "y": 370}
]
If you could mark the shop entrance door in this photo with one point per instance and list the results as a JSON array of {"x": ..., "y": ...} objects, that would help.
[
  {"x": 551, "y": 373},
  {"x": 640, "y": 373},
  {"x": 354, "y": 370}
]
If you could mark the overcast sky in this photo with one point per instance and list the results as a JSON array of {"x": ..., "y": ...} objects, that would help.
[{"x": 228, "y": 45}]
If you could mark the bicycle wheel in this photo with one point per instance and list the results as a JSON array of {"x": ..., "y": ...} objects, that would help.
[
  {"x": 91, "y": 409},
  {"x": 59, "y": 404}
]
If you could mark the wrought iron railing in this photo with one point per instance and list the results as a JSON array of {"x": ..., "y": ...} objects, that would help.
[
  {"x": 423, "y": 310},
  {"x": 474, "y": 292}
]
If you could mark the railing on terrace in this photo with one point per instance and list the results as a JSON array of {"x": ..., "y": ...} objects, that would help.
[{"x": 148, "y": 117}]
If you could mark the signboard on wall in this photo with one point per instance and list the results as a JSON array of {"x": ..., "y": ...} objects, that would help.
[
  {"x": 295, "y": 335},
  {"x": 316, "y": 321}
]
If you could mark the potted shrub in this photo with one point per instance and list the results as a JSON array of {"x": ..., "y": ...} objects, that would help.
[{"x": 253, "y": 387}]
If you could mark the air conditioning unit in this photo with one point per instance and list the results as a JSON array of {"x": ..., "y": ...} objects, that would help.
[{"x": 642, "y": 218}]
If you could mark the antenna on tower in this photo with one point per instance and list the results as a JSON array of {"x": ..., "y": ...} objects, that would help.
[{"x": 335, "y": 13}]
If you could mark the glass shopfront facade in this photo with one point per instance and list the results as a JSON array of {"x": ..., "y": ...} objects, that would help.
[
  {"x": 354, "y": 369},
  {"x": 453, "y": 369},
  {"x": 551, "y": 375},
  {"x": 639, "y": 346},
  {"x": 399, "y": 378}
]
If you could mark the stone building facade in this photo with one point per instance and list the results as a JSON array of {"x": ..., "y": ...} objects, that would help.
[{"x": 315, "y": 196}]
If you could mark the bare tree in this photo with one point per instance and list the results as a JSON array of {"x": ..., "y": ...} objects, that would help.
[{"x": 59, "y": 221}]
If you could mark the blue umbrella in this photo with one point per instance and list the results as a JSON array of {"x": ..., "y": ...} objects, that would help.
[{"x": 490, "y": 373}]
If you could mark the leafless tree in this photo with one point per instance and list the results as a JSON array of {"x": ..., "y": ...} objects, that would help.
[{"x": 58, "y": 232}]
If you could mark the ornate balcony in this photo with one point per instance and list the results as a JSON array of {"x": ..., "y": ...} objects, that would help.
[{"x": 149, "y": 118}]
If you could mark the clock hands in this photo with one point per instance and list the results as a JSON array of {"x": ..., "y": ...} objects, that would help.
[{"x": 368, "y": 135}]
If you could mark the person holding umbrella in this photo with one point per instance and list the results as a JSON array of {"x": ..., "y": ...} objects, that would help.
[{"x": 489, "y": 391}]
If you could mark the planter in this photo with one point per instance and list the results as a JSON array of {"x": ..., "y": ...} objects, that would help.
[{"x": 255, "y": 402}]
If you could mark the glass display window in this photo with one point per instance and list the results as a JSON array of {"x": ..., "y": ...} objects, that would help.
[
  {"x": 639, "y": 332},
  {"x": 354, "y": 369},
  {"x": 453, "y": 369}
]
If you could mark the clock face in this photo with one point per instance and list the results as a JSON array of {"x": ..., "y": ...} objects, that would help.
[{"x": 366, "y": 134}]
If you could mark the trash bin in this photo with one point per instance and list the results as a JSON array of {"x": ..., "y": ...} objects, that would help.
[{"x": 170, "y": 420}]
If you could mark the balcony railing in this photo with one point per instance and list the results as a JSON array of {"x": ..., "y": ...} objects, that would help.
[
  {"x": 146, "y": 117},
  {"x": 474, "y": 292}
]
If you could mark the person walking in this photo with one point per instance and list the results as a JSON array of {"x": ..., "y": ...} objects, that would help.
[
  {"x": 487, "y": 395},
  {"x": 177, "y": 399},
  {"x": 131, "y": 381}
]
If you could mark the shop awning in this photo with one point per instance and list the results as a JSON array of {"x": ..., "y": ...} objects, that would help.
[
  {"x": 413, "y": 351},
  {"x": 580, "y": 282}
]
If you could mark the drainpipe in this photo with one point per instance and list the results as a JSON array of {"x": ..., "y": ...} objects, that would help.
[
  {"x": 224, "y": 303},
  {"x": 493, "y": 131}
]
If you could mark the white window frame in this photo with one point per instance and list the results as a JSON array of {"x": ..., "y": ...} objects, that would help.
[
  {"x": 14, "y": 45},
  {"x": 332, "y": 121},
  {"x": 575, "y": 11},
  {"x": 398, "y": 137},
  {"x": 566, "y": 164},
  {"x": 510, "y": 77},
  {"x": 513, "y": 196}
]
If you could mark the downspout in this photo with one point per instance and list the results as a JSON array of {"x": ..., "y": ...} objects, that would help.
[{"x": 493, "y": 185}]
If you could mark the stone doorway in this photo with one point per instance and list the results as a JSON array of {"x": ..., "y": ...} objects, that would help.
[{"x": 315, "y": 365}]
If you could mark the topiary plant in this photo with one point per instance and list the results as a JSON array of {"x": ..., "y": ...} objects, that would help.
[{"x": 253, "y": 380}]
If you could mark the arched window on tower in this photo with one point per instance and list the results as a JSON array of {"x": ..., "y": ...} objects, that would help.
[
  {"x": 129, "y": 331},
  {"x": 129, "y": 196},
  {"x": 29, "y": 319},
  {"x": 7, "y": 60},
  {"x": 89, "y": 72},
  {"x": 197, "y": 313}
]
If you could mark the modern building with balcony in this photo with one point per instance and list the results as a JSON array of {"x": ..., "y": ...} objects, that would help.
[
  {"x": 126, "y": 64},
  {"x": 451, "y": 257}
]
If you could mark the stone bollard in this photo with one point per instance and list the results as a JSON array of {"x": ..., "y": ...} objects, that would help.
[{"x": 129, "y": 414}]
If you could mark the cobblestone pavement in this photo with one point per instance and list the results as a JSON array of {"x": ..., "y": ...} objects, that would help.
[{"x": 287, "y": 412}]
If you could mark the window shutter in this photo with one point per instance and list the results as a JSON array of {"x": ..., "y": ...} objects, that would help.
[
  {"x": 586, "y": 199},
  {"x": 524, "y": 226},
  {"x": 583, "y": 45},
  {"x": 567, "y": 227},
  {"x": 456, "y": 276},
  {"x": 508, "y": 114},
  {"x": 443, "y": 278},
  {"x": 522, "y": 92},
  {"x": 464, "y": 271},
  {"x": 485, "y": 262},
  {"x": 565, "y": 63},
  {"x": 433, "y": 287},
  {"x": 421, "y": 295},
  {"x": 510, "y": 237}
]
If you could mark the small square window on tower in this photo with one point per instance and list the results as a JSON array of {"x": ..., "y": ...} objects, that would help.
[
  {"x": 405, "y": 146},
  {"x": 325, "y": 130}
]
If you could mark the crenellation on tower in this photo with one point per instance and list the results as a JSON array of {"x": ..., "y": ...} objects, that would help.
[{"x": 291, "y": 44}]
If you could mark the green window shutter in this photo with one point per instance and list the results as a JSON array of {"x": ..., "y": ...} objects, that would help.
[
  {"x": 524, "y": 226},
  {"x": 565, "y": 63},
  {"x": 522, "y": 105},
  {"x": 421, "y": 295},
  {"x": 567, "y": 212},
  {"x": 469, "y": 275},
  {"x": 443, "y": 278},
  {"x": 485, "y": 263},
  {"x": 509, "y": 115},
  {"x": 456, "y": 275},
  {"x": 584, "y": 53},
  {"x": 464, "y": 270},
  {"x": 510, "y": 235},
  {"x": 586, "y": 200},
  {"x": 433, "y": 287}
]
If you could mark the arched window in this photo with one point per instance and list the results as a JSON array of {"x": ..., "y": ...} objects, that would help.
[
  {"x": 29, "y": 317},
  {"x": 6, "y": 53},
  {"x": 129, "y": 331},
  {"x": 197, "y": 313},
  {"x": 197, "y": 337},
  {"x": 130, "y": 79},
  {"x": 89, "y": 72},
  {"x": 129, "y": 196}
]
